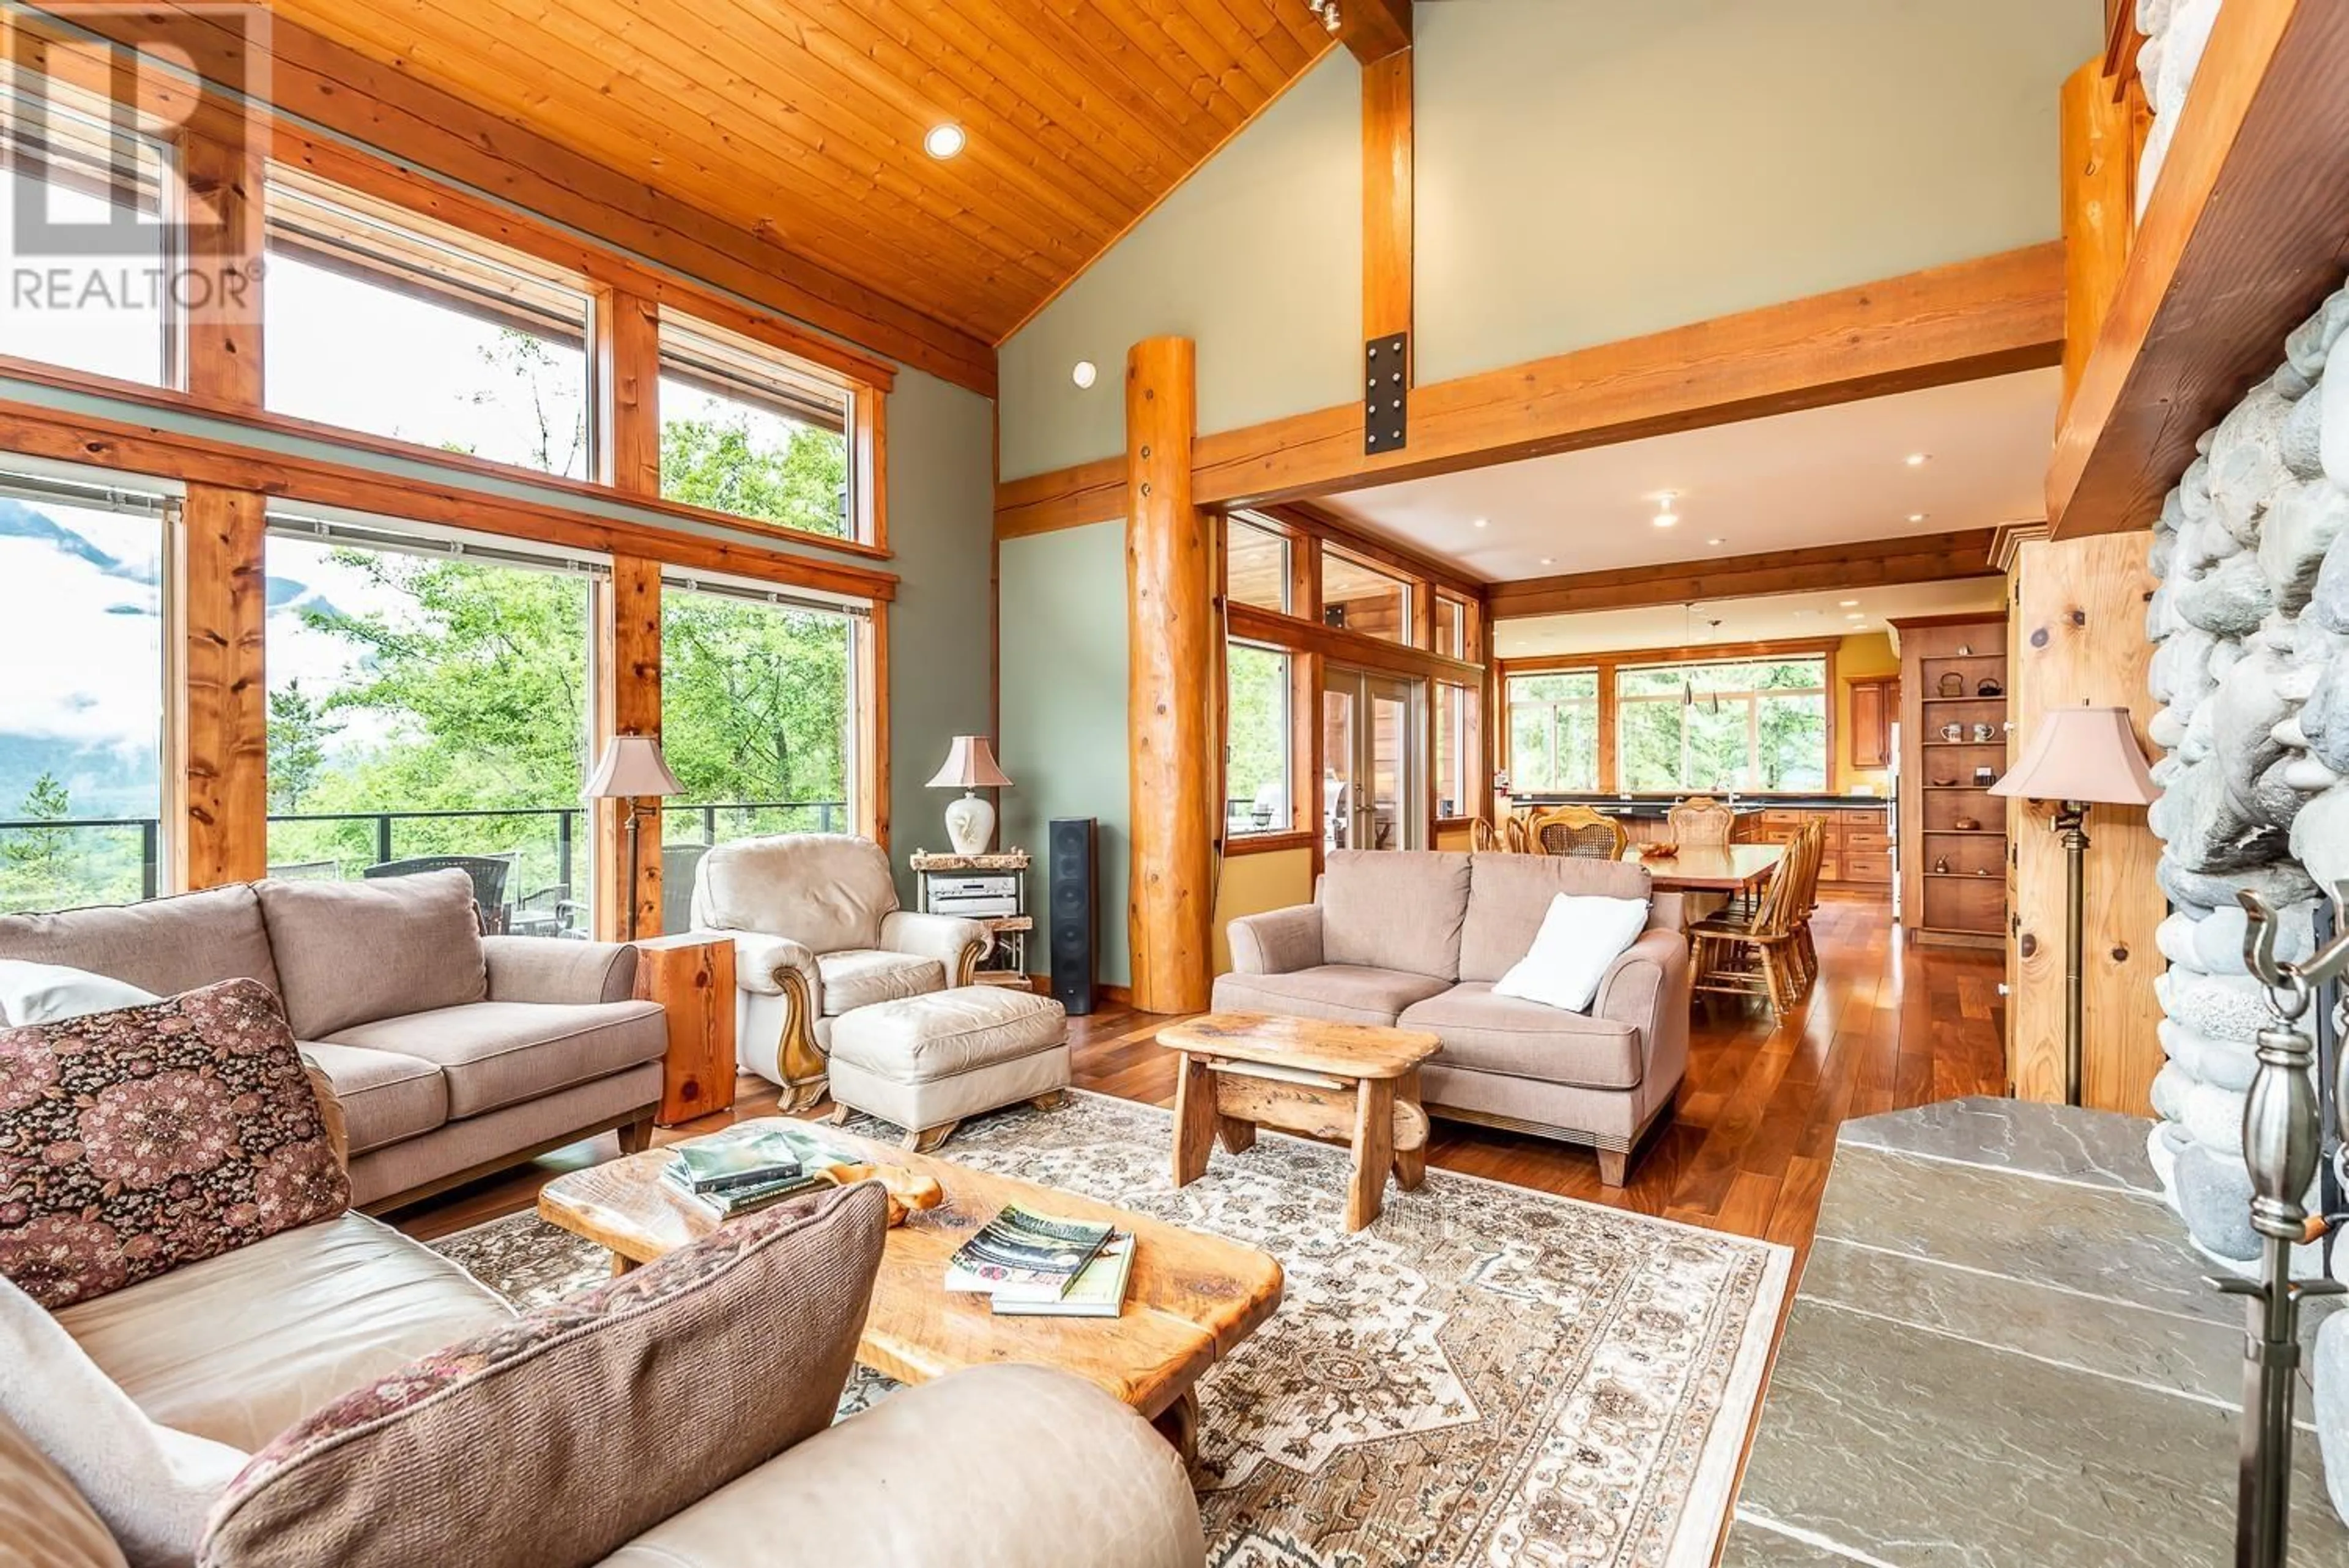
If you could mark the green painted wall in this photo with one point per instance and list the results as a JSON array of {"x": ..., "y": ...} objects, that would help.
[
  {"x": 1586, "y": 170},
  {"x": 941, "y": 520},
  {"x": 1063, "y": 646}
]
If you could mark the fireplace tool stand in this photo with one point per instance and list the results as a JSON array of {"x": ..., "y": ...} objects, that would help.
[{"x": 2283, "y": 1142}]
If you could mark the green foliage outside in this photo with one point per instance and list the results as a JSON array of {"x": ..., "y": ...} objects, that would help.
[
  {"x": 1257, "y": 768},
  {"x": 60, "y": 867},
  {"x": 1703, "y": 727}
]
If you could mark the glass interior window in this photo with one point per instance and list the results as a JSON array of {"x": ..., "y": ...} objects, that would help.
[
  {"x": 1256, "y": 566},
  {"x": 1360, "y": 597}
]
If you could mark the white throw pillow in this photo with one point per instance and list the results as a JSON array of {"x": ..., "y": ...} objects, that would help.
[
  {"x": 51, "y": 993},
  {"x": 151, "y": 1484},
  {"x": 1579, "y": 937}
]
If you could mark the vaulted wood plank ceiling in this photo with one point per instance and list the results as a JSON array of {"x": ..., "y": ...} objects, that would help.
[{"x": 804, "y": 120}]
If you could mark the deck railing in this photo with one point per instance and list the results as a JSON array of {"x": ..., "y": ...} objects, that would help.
[{"x": 64, "y": 862}]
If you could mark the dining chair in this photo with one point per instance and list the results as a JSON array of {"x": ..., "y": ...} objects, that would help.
[
  {"x": 1759, "y": 954},
  {"x": 1700, "y": 822},
  {"x": 1577, "y": 830}
]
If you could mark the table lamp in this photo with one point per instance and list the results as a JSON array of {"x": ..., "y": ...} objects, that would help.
[
  {"x": 631, "y": 768},
  {"x": 2078, "y": 757},
  {"x": 969, "y": 766}
]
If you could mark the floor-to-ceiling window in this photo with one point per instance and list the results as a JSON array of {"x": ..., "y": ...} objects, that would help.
[
  {"x": 428, "y": 699},
  {"x": 81, "y": 727}
]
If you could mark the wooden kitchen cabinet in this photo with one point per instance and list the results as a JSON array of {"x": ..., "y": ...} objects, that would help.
[{"x": 1875, "y": 703}]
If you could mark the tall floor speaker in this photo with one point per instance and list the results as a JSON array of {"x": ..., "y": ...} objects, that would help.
[{"x": 1071, "y": 906}]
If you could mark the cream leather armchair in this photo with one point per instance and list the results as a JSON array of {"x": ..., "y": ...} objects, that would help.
[{"x": 818, "y": 933}]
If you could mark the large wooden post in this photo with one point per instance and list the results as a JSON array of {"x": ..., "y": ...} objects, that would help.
[
  {"x": 628, "y": 609},
  {"x": 217, "y": 813},
  {"x": 1171, "y": 704},
  {"x": 2077, "y": 634}
]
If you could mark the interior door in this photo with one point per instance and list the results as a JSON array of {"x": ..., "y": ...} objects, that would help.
[{"x": 1372, "y": 741}]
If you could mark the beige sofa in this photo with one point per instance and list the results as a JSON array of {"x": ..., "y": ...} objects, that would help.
[
  {"x": 990, "y": 1467},
  {"x": 818, "y": 934},
  {"x": 1417, "y": 939},
  {"x": 453, "y": 1054}
]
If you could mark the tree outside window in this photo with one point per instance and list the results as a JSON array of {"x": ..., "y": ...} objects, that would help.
[
  {"x": 1256, "y": 771},
  {"x": 1554, "y": 732},
  {"x": 1713, "y": 728}
]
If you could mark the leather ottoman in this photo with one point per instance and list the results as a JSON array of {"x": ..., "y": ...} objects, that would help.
[{"x": 926, "y": 1062}]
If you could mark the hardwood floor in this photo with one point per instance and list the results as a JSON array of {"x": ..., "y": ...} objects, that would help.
[{"x": 1889, "y": 1025}]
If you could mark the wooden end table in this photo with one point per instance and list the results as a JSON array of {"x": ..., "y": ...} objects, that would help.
[
  {"x": 1345, "y": 1083},
  {"x": 692, "y": 977},
  {"x": 1191, "y": 1298}
]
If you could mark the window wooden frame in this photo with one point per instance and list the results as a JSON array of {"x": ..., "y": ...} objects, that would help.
[
  {"x": 219, "y": 832},
  {"x": 1313, "y": 647}
]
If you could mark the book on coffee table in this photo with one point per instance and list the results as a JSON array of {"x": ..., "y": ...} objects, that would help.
[
  {"x": 1023, "y": 1256},
  {"x": 1098, "y": 1291},
  {"x": 753, "y": 1156}
]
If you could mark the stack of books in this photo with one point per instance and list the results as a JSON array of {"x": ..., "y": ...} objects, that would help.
[
  {"x": 749, "y": 1168},
  {"x": 1034, "y": 1265}
]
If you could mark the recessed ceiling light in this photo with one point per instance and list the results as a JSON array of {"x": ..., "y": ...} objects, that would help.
[
  {"x": 1717, "y": 541},
  {"x": 1665, "y": 515},
  {"x": 1855, "y": 616},
  {"x": 1846, "y": 604},
  {"x": 1549, "y": 560},
  {"x": 1918, "y": 459},
  {"x": 944, "y": 140},
  {"x": 1918, "y": 516},
  {"x": 1481, "y": 522},
  {"x": 1083, "y": 372}
]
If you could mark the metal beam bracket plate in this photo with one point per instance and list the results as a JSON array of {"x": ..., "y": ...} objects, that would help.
[{"x": 1386, "y": 394}]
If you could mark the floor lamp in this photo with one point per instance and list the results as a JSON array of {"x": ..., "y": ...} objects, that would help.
[
  {"x": 631, "y": 770},
  {"x": 2078, "y": 757}
]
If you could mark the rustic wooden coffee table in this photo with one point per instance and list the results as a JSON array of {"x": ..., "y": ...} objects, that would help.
[
  {"x": 1191, "y": 1299},
  {"x": 1348, "y": 1083}
]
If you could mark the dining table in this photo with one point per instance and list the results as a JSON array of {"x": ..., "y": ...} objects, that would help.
[{"x": 1729, "y": 869}]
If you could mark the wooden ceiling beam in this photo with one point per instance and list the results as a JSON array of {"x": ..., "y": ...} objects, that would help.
[
  {"x": 1989, "y": 316},
  {"x": 1387, "y": 188},
  {"x": 1374, "y": 29},
  {"x": 1875, "y": 563}
]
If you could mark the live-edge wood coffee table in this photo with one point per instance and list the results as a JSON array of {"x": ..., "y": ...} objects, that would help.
[
  {"x": 1351, "y": 1082},
  {"x": 1191, "y": 1299}
]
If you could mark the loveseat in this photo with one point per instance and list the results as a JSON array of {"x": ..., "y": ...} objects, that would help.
[
  {"x": 1416, "y": 939},
  {"x": 818, "y": 934},
  {"x": 991, "y": 1468},
  {"x": 452, "y": 1055}
]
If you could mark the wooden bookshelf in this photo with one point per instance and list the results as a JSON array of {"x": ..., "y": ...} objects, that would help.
[{"x": 1953, "y": 829}]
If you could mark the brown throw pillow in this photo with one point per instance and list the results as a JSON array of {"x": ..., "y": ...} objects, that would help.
[
  {"x": 135, "y": 1141},
  {"x": 559, "y": 1439}
]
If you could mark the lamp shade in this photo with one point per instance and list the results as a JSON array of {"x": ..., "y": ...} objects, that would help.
[
  {"x": 2083, "y": 754},
  {"x": 631, "y": 765},
  {"x": 970, "y": 765}
]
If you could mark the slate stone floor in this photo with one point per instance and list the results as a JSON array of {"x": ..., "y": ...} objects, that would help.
[{"x": 2003, "y": 1354}]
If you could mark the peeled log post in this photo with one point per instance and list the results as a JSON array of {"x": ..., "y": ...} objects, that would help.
[{"x": 1171, "y": 692}]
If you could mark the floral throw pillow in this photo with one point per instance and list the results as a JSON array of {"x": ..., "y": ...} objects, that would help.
[{"x": 135, "y": 1141}]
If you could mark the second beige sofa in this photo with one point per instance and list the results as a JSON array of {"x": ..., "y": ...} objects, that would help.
[{"x": 1416, "y": 939}]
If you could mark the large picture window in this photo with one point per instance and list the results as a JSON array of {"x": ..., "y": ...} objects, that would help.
[
  {"x": 82, "y": 639},
  {"x": 1257, "y": 787},
  {"x": 86, "y": 241},
  {"x": 746, "y": 430},
  {"x": 1759, "y": 725},
  {"x": 427, "y": 702},
  {"x": 385, "y": 324},
  {"x": 1554, "y": 732}
]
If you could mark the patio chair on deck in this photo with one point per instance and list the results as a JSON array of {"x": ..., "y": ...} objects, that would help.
[{"x": 489, "y": 873}]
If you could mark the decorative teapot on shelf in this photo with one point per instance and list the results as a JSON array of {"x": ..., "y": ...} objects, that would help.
[{"x": 1953, "y": 684}]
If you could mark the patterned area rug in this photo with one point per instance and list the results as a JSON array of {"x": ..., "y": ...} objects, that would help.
[{"x": 1486, "y": 1375}]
